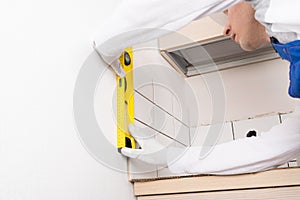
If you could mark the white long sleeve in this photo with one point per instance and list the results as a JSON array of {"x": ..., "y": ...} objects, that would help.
[
  {"x": 281, "y": 18},
  {"x": 273, "y": 148},
  {"x": 136, "y": 21}
]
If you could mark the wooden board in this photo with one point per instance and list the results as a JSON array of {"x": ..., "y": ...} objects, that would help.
[
  {"x": 272, "y": 178},
  {"x": 290, "y": 193}
]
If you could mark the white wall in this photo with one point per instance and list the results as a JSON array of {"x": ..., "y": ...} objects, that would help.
[{"x": 42, "y": 46}]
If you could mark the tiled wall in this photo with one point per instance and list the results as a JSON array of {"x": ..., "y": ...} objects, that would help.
[
  {"x": 157, "y": 116},
  {"x": 249, "y": 91},
  {"x": 158, "y": 109},
  {"x": 230, "y": 131},
  {"x": 163, "y": 113}
]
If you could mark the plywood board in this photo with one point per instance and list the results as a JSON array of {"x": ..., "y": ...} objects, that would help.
[
  {"x": 272, "y": 178},
  {"x": 290, "y": 193}
]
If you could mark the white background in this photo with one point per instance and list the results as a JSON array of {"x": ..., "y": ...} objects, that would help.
[{"x": 42, "y": 47}]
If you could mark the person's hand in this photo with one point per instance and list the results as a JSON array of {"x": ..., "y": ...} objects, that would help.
[{"x": 151, "y": 151}]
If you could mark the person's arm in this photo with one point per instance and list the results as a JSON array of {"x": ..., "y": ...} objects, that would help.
[
  {"x": 267, "y": 11},
  {"x": 136, "y": 21},
  {"x": 284, "y": 27}
]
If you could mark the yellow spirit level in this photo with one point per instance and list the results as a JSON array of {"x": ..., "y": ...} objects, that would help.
[{"x": 125, "y": 102}]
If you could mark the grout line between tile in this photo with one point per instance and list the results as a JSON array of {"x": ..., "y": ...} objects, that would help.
[
  {"x": 160, "y": 132},
  {"x": 232, "y": 130},
  {"x": 280, "y": 118},
  {"x": 143, "y": 95},
  {"x": 161, "y": 108}
]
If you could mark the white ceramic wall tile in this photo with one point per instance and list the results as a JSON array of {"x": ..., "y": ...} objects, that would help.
[
  {"x": 177, "y": 108},
  {"x": 147, "y": 91},
  {"x": 150, "y": 132},
  {"x": 296, "y": 162},
  {"x": 164, "y": 171},
  {"x": 283, "y": 166},
  {"x": 227, "y": 134},
  {"x": 163, "y": 122},
  {"x": 143, "y": 82},
  {"x": 181, "y": 98},
  {"x": 285, "y": 116},
  {"x": 209, "y": 134},
  {"x": 241, "y": 128},
  {"x": 197, "y": 136},
  {"x": 144, "y": 56},
  {"x": 163, "y": 97},
  {"x": 204, "y": 101},
  {"x": 201, "y": 134},
  {"x": 293, "y": 164},
  {"x": 182, "y": 133},
  {"x": 251, "y": 90},
  {"x": 137, "y": 168},
  {"x": 143, "y": 109},
  {"x": 180, "y": 110}
]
